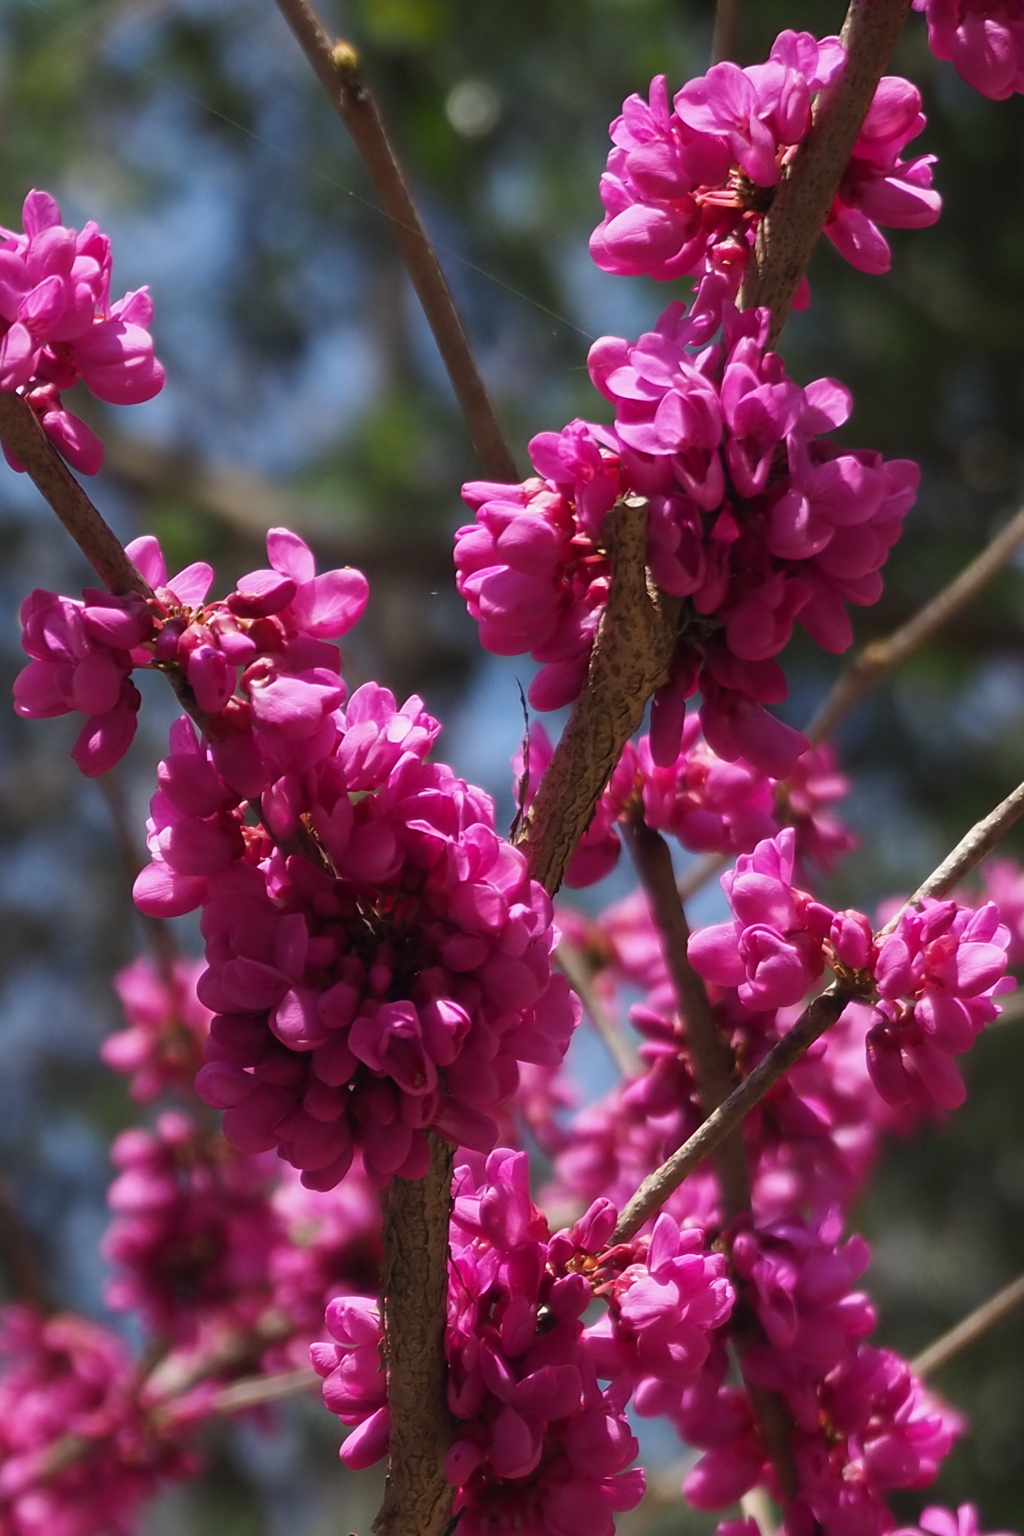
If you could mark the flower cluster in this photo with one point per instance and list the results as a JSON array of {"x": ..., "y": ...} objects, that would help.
[
  {"x": 756, "y": 524},
  {"x": 863, "y": 1424},
  {"x": 161, "y": 1049},
  {"x": 259, "y": 662},
  {"x": 689, "y": 181},
  {"x": 191, "y": 1231},
  {"x": 982, "y": 39},
  {"x": 538, "y": 1441},
  {"x": 708, "y": 804},
  {"x": 78, "y": 1454},
  {"x": 937, "y": 973},
  {"x": 392, "y": 985},
  {"x": 57, "y": 325}
]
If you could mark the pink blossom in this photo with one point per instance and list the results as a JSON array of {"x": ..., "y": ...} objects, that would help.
[
  {"x": 877, "y": 186},
  {"x": 167, "y": 1024},
  {"x": 983, "y": 39},
  {"x": 191, "y": 1230},
  {"x": 57, "y": 325},
  {"x": 687, "y": 184},
  {"x": 62, "y": 1376},
  {"x": 938, "y": 974},
  {"x": 772, "y": 951},
  {"x": 943, "y": 1522}
]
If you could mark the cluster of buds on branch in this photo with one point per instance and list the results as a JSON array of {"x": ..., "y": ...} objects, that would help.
[{"x": 386, "y": 1002}]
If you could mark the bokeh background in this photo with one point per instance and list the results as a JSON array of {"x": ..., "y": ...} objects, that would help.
[{"x": 303, "y": 388}]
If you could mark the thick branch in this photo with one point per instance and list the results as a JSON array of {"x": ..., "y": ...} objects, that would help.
[
  {"x": 630, "y": 659},
  {"x": 710, "y": 1057},
  {"x": 881, "y": 657},
  {"x": 337, "y": 68},
  {"x": 790, "y": 229},
  {"x": 970, "y": 1329},
  {"x": 414, "y": 1290},
  {"x": 723, "y": 41},
  {"x": 656, "y": 1188}
]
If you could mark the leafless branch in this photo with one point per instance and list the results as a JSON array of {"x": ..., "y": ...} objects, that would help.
[
  {"x": 881, "y": 657},
  {"x": 723, "y": 41},
  {"x": 337, "y": 67},
  {"x": 709, "y": 1054},
  {"x": 970, "y": 1329},
  {"x": 414, "y": 1288},
  {"x": 656, "y": 1188},
  {"x": 581, "y": 978}
]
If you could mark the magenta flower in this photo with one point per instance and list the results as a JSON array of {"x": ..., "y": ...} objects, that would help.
[
  {"x": 983, "y": 39},
  {"x": 938, "y": 975},
  {"x": 942, "y": 1522},
  {"x": 57, "y": 325},
  {"x": 161, "y": 1047},
  {"x": 64, "y": 1376},
  {"x": 772, "y": 951},
  {"x": 687, "y": 185}
]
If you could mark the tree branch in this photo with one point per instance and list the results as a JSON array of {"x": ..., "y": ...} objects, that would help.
[
  {"x": 710, "y": 1056},
  {"x": 723, "y": 41},
  {"x": 26, "y": 439},
  {"x": 656, "y": 1188},
  {"x": 337, "y": 67},
  {"x": 790, "y": 229},
  {"x": 881, "y": 657},
  {"x": 629, "y": 660},
  {"x": 969, "y": 851},
  {"x": 970, "y": 1329},
  {"x": 581, "y": 978},
  {"x": 414, "y": 1290}
]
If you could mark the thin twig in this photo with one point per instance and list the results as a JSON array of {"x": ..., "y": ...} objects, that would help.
[
  {"x": 574, "y": 966},
  {"x": 337, "y": 67},
  {"x": 723, "y": 41},
  {"x": 629, "y": 660},
  {"x": 789, "y": 231},
  {"x": 656, "y": 1188},
  {"x": 880, "y": 657},
  {"x": 969, "y": 851},
  {"x": 698, "y": 875},
  {"x": 255, "y": 1390},
  {"x": 23, "y": 435},
  {"x": 970, "y": 1329},
  {"x": 709, "y": 1054}
]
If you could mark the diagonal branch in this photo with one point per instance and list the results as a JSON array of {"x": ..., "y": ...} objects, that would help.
[
  {"x": 337, "y": 67},
  {"x": 27, "y": 441},
  {"x": 970, "y": 1329},
  {"x": 656, "y": 1188},
  {"x": 709, "y": 1053},
  {"x": 880, "y": 657},
  {"x": 790, "y": 230}
]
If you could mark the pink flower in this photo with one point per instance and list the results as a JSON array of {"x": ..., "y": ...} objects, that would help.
[
  {"x": 57, "y": 326},
  {"x": 942, "y": 1522},
  {"x": 983, "y": 39},
  {"x": 772, "y": 951},
  {"x": 938, "y": 974}
]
